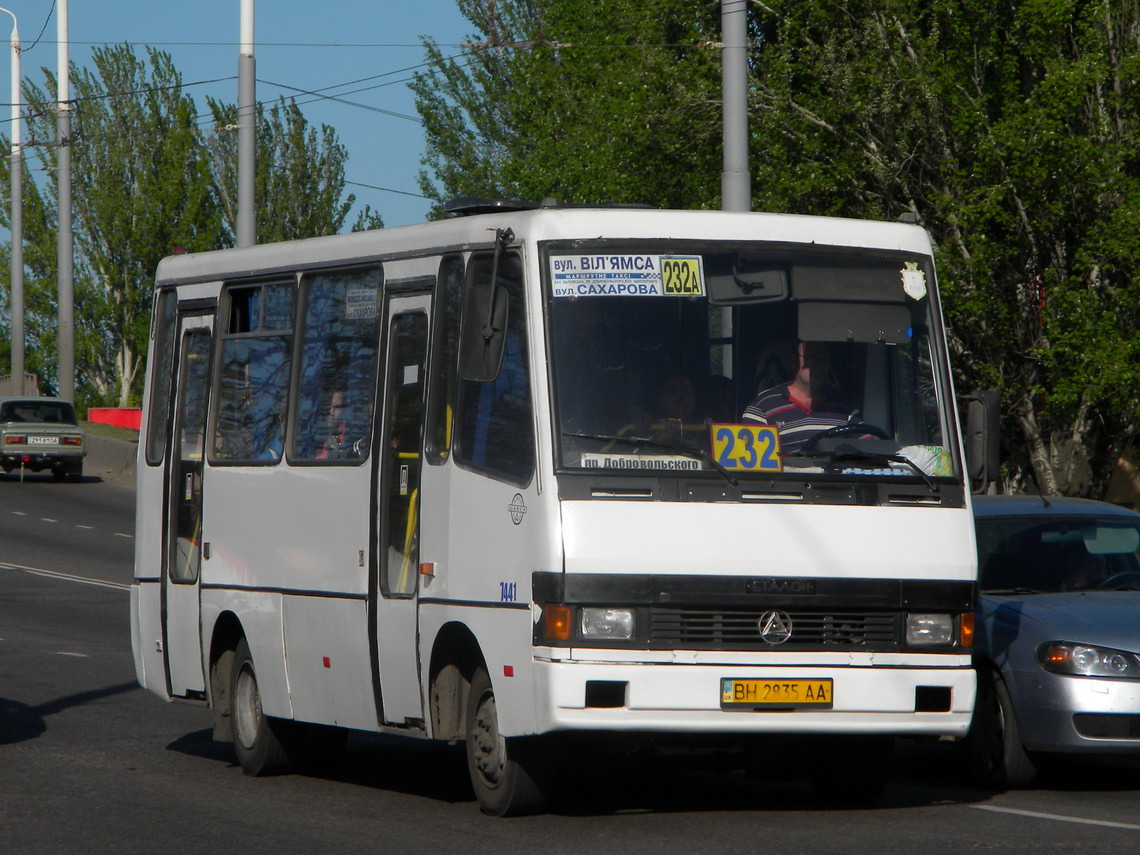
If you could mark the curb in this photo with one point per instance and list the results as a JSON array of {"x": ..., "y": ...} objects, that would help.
[{"x": 111, "y": 459}]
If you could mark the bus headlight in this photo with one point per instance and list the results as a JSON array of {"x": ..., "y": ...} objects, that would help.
[
  {"x": 926, "y": 630},
  {"x": 606, "y": 623}
]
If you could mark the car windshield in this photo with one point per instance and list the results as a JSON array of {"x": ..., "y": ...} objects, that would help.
[
  {"x": 763, "y": 360},
  {"x": 50, "y": 412},
  {"x": 1046, "y": 555}
]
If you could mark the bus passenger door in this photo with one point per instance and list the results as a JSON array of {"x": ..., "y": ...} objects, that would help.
[
  {"x": 398, "y": 501},
  {"x": 181, "y": 613}
]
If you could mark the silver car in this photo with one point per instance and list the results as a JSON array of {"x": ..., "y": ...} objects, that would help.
[
  {"x": 41, "y": 433},
  {"x": 1058, "y": 634}
]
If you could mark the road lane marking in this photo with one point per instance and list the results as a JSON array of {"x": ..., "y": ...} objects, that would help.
[
  {"x": 1103, "y": 823},
  {"x": 82, "y": 526},
  {"x": 66, "y": 577}
]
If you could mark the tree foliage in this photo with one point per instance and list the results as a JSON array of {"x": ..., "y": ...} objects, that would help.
[
  {"x": 583, "y": 101},
  {"x": 146, "y": 181},
  {"x": 1008, "y": 129},
  {"x": 300, "y": 174},
  {"x": 140, "y": 188}
]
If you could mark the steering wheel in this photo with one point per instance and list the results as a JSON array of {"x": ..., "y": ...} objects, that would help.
[
  {"x": 1115, "y": 580},
  {"x": 846, "y": 430}
]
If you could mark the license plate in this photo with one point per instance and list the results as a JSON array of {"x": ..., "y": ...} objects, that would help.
[
  {"x": 41, "y": 440},
  {"x": 776, "y": 694}
]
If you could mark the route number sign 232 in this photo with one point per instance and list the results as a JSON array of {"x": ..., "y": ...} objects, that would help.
[{"x": 751, "y": 448}]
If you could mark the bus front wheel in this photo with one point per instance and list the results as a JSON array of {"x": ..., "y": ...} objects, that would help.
[
  {"x": 507, "y": 774},
  {"x": 257, "y": 743}
]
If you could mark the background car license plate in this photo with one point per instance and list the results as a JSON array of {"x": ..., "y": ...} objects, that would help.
[
  {"x": 41, "y": 440},
  {"x": 769, "y": 694}
]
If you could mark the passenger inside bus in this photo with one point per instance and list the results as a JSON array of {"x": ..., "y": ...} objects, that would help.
[
  {"x": 334, "y": 441},
  {"x": 808, "y": 403}
]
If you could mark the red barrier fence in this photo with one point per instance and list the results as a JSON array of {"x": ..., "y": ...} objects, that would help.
[{"x": 126, "y": 417}]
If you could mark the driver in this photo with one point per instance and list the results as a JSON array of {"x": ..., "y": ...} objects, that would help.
[{"x": 804, "y": 406}]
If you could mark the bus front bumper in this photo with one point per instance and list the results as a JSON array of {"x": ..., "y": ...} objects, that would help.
[{"x": 884, "y": 699}]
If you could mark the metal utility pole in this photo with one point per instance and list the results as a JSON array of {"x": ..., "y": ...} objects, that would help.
[
  {"x": 16, "y": 301},
  {"x": 63, "y": 246},
  {"x": 247, "y": 132},
  {"x": 735, "y": 183}
]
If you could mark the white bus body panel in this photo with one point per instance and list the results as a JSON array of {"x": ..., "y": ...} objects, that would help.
[
  {"x": 287, "y": 547},
  {"x": 836, "y": 541}
]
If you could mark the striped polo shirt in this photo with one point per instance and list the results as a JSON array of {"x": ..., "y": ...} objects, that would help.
[{"x": 796, "y": 424}]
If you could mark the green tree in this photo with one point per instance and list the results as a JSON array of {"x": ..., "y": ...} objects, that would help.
[
  {"x": 141, "y": 187},
  {"x": 300, "y": 174},
  {"x": 584, "y": 101},
  {"x": 1008, "y": 129}
]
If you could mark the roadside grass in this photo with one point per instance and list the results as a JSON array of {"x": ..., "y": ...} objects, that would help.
[{"x": 110, "y": 431}]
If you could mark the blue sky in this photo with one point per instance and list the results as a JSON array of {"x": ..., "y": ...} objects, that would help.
[{"x": 361, "y": 51}]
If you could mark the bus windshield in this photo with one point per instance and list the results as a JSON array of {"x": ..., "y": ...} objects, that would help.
[{"x": 751, "y": 359}]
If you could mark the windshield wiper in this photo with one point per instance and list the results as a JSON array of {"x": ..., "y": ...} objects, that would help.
[
  {"x": 645, "y": 442},
  {"x": 850, "y": 452}
]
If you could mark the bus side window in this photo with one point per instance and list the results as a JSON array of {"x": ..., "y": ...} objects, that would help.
[
  {"x": 253, "y": 377},
  {"x": 444, "y": 359},
  {"x": 495, "y": 431},
  {"x": 339, "y": 335},
  {"x": 158, "y": 420}
]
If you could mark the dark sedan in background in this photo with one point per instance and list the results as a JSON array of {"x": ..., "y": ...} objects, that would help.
[{"x": 1058, "y": 634}]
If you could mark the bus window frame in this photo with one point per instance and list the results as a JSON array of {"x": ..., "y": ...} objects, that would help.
[
  {"x": 461, "y": 453},
  {"x": 293, "y": 407},
  {"x": 223, "y": 335}
]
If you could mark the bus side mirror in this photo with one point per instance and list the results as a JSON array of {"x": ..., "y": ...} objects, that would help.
[{"x": 983, "y": 438}]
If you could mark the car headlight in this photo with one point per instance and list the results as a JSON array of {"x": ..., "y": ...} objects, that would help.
[
  {"x": 925, "y": 630},
  {"x": 1086, "y": 660},
  {"x": 606, "y": 623}
]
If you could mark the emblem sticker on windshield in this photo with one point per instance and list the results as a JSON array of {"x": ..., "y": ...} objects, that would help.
[
  {"x": 628, "y": 275},
  {"x": 913, "y": 281}
]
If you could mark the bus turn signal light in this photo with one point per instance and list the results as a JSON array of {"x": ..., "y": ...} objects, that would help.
[
  {"x": 558, "y": 622},
  {"x": 966, "y": 630}
]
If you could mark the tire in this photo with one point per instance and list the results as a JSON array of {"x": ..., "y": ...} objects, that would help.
[
  {"x": 508, "y": 775},
  {"x": 851, "y": 770},
  {"x": 257, "y": 738},
  {"x": 994, "y": 755}
]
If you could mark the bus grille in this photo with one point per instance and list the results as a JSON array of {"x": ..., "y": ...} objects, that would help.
[{"x": 715, "y": 629}]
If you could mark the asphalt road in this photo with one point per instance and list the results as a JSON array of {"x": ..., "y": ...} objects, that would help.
[{"x": 91, "y": 763}]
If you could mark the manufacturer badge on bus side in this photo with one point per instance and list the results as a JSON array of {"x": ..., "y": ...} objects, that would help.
[{"x": 517, "y": 508}]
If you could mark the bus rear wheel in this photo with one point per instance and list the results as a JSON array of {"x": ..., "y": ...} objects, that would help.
[
  {"x": 257, "y": 737},
  {"x": 507, "y": 774}
]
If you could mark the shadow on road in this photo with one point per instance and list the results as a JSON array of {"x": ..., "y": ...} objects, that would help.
[
  {"x": 924, "y": 775},
  {"x": 19, "y": 722}
]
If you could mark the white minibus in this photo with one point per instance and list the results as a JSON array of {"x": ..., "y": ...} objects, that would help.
[{"x": 515, "y": 478}]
